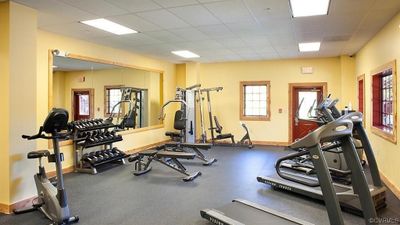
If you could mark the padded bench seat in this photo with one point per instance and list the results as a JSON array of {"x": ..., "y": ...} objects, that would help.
[
  {"x": 188, "y": 145},
  {"x": 173, "y": 134},
  {"x": 178, "y": 155},
  {"x": 148, "y": 153},
  {"x": 224, "y": 136}
]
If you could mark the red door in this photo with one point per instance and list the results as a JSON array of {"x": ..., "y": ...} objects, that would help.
[
  {"x": 361, "y": 95},
  {"x": 81, "y": 105},
  {"x": 305, "y": 99}
]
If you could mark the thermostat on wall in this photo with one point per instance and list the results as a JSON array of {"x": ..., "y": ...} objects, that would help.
[{"x": 307, "y": 70}]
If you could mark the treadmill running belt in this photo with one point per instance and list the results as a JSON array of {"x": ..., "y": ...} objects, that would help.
[{"x": 239, "y": 212}]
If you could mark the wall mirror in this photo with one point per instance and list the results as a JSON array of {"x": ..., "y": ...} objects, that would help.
[{"x": 92, "y": 88}]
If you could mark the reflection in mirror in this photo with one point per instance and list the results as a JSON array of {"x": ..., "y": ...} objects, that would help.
[{"x": 127, "y": 96}]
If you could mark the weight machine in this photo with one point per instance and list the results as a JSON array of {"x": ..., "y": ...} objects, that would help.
[
  {"x": 132, "y": 98},
  {"x": 216, "y": 131}
]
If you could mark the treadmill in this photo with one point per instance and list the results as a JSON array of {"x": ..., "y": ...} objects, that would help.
[
  {"x": 240, "y": 212},
  {"x": 309, "y": 186}
]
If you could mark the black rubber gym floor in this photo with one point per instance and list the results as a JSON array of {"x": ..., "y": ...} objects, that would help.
[{"x": 160, "y": 197}]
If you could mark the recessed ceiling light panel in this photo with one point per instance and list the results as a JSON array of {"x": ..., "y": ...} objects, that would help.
[
  {"x": 309, "y": 47},
  {"x": 109, "y": 26},
  {"x": 185, "y": 54},
  {"x": 302, "y": 8}
]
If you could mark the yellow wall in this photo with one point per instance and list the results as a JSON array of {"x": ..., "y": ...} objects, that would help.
[
  {"x": 348, "y": 87},
  {"x": 181, "y": 75},
  {"x": 20, "y": 100},
  {"x": 4, "y": 99},
  {"x": 225, "y": 104},
  {"x": 383, "y": 48},
  {"x": 58, "y": 88}
]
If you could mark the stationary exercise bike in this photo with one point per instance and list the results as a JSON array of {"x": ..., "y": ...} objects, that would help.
[{"x": 52, "y": 198}]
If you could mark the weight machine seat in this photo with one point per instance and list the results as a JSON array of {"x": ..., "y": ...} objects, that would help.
[
  {"x": 173, "y": 134},
  {"x": 224, "y": 136},
  {"x": 175, "y": 155},
  {"x": 38, "y": 154},
  {"x": 148, "y": 153},
  {"x": 204, "y": 146},
  {"x": 329, "y": 132}
]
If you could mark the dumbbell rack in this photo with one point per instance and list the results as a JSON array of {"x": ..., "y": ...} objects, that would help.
[{"x": 81, "y": 145}]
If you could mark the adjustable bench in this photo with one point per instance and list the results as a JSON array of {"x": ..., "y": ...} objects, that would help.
[
  {"x": 183, "y": 147},
  {"x": 167, "y": 158}
]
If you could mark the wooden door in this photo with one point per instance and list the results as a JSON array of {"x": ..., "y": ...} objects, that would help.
[
  {"x": 361, "y": 95},
  {"x": 81, "y": 104},
  {"x": 308, "y": 97}
]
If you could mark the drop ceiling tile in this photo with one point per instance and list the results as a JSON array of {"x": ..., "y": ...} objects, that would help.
[
  {"x": 195, "y": 15},
  {"x": 269, "y": 10},
  {"x": 240, "y": 51},
  {"x": 139, "y": 39},
  {"x": 201, "y": 45},
  {"x": 278, "y": 26},
  {"x": 134, "y": 22},
  {"x": 287, "y": 48},
  {"x": 277, "y": 39},
  {"x": 230, "y": 11},
  {"x": 50, "y": 9},
  {"x": 165, "y": 36},
  {"x": 208, "y": 1},
  {"x": 287, "y": 54},
  {"x": 135, "y": 5},
  {"x": 98, "y": 7},
  {"x": 344, "y": 24},
  {"x": 248, "y": 28},
  {"x": 216, "y": 31},
  {"x": 257, "y": 41},
  {"x": 76, "y": 30},
  {"x": 231, "y": 42},
  {"x": 390, "y": 5},
  {"x": 309, "y": 37},
  {"x": 310, "y": 24},
  {"x": 175, "y": 3},
  {"x": 339, "y": 7},
  {"x": 264, "y": 49},
  {"x": 163, "y": 18},
  {"x": 189, "y": 34}
]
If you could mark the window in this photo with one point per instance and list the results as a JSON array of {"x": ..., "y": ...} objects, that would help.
[
  {"x": 384, "y": 102},
  {"x": 84, "y": 105},
  {"x": 112, "y": 96},
  {"x": 254, "y": 100}
]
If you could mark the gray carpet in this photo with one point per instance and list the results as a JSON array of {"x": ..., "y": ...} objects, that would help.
[{"x": 115, "y": 196}]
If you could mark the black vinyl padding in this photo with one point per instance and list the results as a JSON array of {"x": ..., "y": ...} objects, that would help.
[
  {"x": 148, "y": 153},
  {"x": 188, "y": 145},
  {"x": 224, "y": 136},
  {"x": 173, "y": 134},
  {"x": 177, "y": 155},
  {"x": 179, "y": 120},
  {"x": 38, "y": 154}
]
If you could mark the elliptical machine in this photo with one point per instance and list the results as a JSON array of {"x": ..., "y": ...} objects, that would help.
[{"x": 52, "y": 199}]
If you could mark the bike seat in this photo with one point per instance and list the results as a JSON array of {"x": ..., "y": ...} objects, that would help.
[{"x": 38, "y": 154}]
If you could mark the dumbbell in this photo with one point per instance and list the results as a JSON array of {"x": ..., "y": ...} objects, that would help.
[
  {"x": 90, "y": 157},
  {"x": 110, "y": 153},
  {"x": 104, "y": 154},
  {"x": 117, "y": 152},
  {"x": 99, "y": 156}
]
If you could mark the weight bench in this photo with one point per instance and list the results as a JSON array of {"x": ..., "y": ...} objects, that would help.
[
  {"x": 183, "y": 147},
  {"x": 167, "y": 158}
]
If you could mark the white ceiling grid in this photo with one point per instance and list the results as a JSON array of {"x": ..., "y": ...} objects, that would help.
[{"x": 219, "y": 30}]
